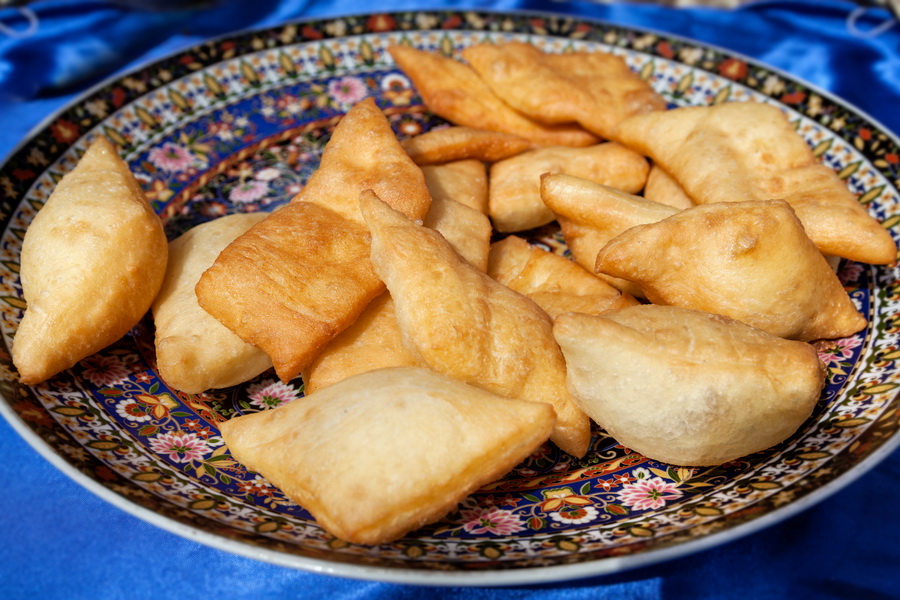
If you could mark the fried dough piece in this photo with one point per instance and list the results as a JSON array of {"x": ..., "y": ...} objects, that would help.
[
  {"x": 460, "y": 322},
  {"x": 590, "y": 215},
  {"x": 374, "y": 340},
  {"x": 92, "y": 261},
  {"x": 194, "y": 352},
  {"x": 386, "y": 452},
  {"x": 750, "y": 151},
  {"x": 295, "y": 280},
  {"x": 464, "y": 181},
  {"x": 514, "y": 198},
  {"x": 594, "y": 89},
  {"x": 450, "y": 144},
  {"x": 662, "y": 188},
  {"x": 452, "y": 90},
  {"x": 557, "y": 284},
  {"x": 751, "y": 261},
  {"x": 687, "y": 387}
]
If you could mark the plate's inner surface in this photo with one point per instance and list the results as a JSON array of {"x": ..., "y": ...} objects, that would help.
[{"x": 238, "y": 125}]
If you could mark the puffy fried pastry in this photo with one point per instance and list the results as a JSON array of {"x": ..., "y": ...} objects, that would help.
[
  {"x": 454, "y": 91},
  {"x": 750, "y": 151},
  {"x": 751, "y": 261},
  {"x": 383, "y": 453},
  {"x": 449, "y": 144},
  {"x": 687, "y": 387},
  {"x": 92, "y": 261},
  {"x": 591, "y": 214},
  {"x": 594, "y": 89},
  {"x": 374, "y": 340},
  {"x": 557, "y": 284},
  {"x": 299, "y": 277},
  {"x": 662, "y": 188},
  {"x": 514, "y": 198},
  {"x": 460, "y": 322},
  {"x": 464, "y": 181},
  {"x": 194, "y": 352}
]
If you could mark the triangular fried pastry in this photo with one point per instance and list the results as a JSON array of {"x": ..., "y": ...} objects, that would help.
[
  {"x": 92, "y": 261},
  {"x": 299, "y": 277},
  {"x": 194, "y": 352},
  {"x": 514, "y": 197},
  {"x": 386, "y": 452},
  {"x": 687, "y": 387},
  {"x": 594, "y": 89},
  {"x": 452, "y": 90},
  {"x": 662, "y": 188},
  {"x": 740, "y": 151},
  {"x": 460, "y": 322},
  {"x": 449, "y": 144},
  {"x": 751, "y": 261},
  {"x": 464, "y": 181},
  {"x": 374, "y": 340},
  {"x": 557, "y": 284},
  {"x": 591, "y": 214}
]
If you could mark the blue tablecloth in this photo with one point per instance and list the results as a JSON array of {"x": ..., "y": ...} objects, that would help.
[{"x": 57, "y": 540}]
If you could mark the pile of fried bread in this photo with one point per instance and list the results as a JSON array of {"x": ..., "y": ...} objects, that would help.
[{"x": 434, "y": 360}]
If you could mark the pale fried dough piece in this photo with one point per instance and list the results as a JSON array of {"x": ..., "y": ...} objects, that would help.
[
  {"x": 662, "y": 188},
  {"x": 460, "y": 322},
  {"x": 751, "y": 261},
  {"x": 452, "y": 90},
  {"x": 449, "y": 144},
  {"x": 594, "y": 89},
  {"x": 383, "y": 453},
  {"x": 194, "y": 352},
  {"x": 687, "y": 387},
  {"x": 374, "y": 340},
  {"x": 514, "y": 196},
  {"x": 464, "y": 181},
  {"x": 557, "y": 284},
  {"x": 298, "y": 278},
  {"x": 92, "y": 261},
  {"x": 750, "y": 151},
  {"x": 590, "y": 215}
]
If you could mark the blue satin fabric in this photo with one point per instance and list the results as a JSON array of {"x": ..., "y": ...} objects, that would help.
[{"x": 59, "y": 541}]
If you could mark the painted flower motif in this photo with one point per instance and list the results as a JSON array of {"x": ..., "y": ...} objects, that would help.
[
  {"x": 180, "y": 446},
  {"x": 105, "y": 370},
  {"x": 562, "y": 498},
  {"x": 607, "y": 484},
  {"x": 268, "y": 174},
  {"x": 397, "y": 89},
  {"x": 649, "y": 493},
  {"x": 170, "y": 157},
  {"x": 248, "y": 191},
  {"x": 257, "y": 486},
  {"x": 851, "y": 272},
  {"x": 575, "y": 515},
  {"x": 160, "y": 404},
  {"x": 347, "y": 90},
  {"x": 838, "y": 350},
  {"x": 269, "y": 394},
  {"x": 490, "y": 520},
  {"x": 131, "y": 410}
]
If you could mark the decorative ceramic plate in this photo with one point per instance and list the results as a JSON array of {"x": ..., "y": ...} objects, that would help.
[{"x": 237, "y": 125}]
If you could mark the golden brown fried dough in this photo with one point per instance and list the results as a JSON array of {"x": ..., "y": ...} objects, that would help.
[
  {"x": 662, "y": 188},
  {"x": 92, "y": 261},
  {"x": 194, "y": 352},
  {"x": 298, "y": 278},
  {"x": 591, "y": 214},
  {"x": 557, "y": 284},
  {"x": 514, "y": 197},
  {"x": 594, "y": 89},
  {"x": 740, "y": 151},
  {"x": 452, "y": 90},
  {"x": 460, "y": 322},
  {"x": 687, "y": 387},
  {"x": 464, "y": 181},
  {"x": 751, "y": 261},
  {"x": 383, "y": 453},
  {"x": 454, "y": 143},
  {"x": 374, "y": 340}
]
